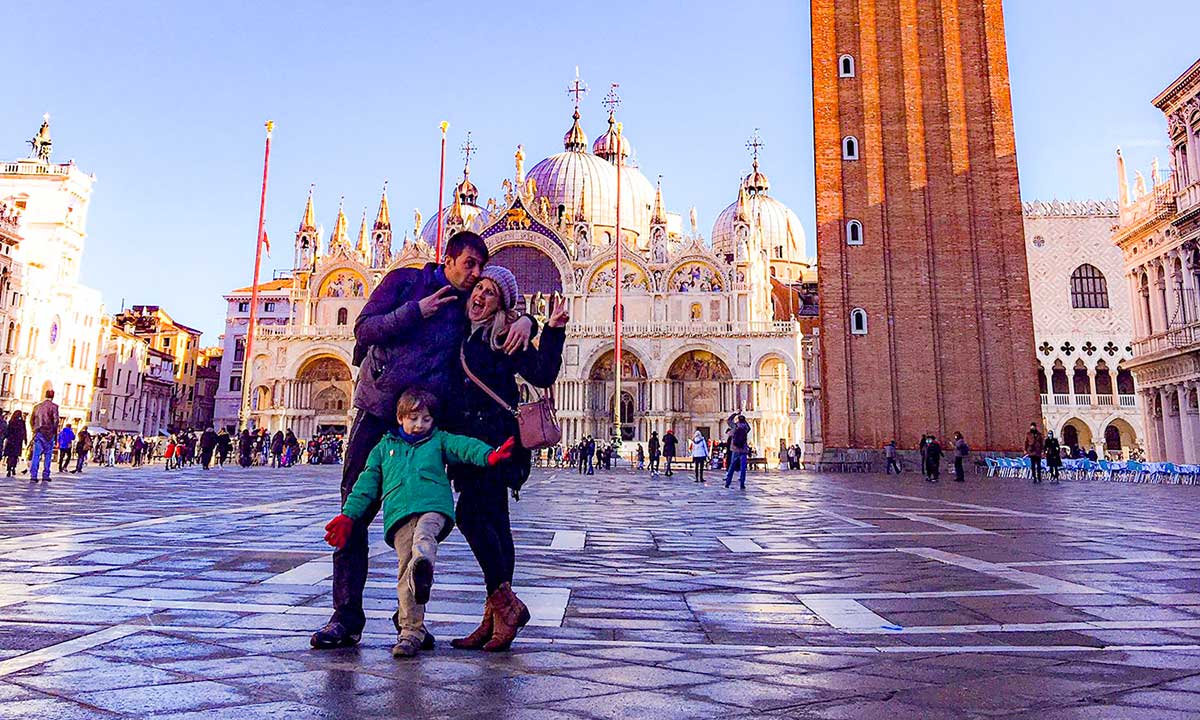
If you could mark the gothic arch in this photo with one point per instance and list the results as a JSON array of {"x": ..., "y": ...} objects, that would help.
[
  {"x": 776, "y": 355},
  {"x": 626, "y": 349},
  {"x": 346, "y": 271},
  {"x": 317, "y": 352},
  {"x": 599, "y": 262},
  {"x": 517, "y": 238},
  {"x": 665, "y": 367}
]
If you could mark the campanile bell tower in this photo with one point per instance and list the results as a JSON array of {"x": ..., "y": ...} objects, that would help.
[{"x": 926, "y": 323}]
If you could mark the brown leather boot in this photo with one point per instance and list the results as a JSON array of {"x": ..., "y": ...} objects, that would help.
[
  {"x": 481, "y": 634},
  {"x": 509, "y": 615}
]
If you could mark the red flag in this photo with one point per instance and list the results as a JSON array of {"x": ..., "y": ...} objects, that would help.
[{"x": 266, "y": 242}]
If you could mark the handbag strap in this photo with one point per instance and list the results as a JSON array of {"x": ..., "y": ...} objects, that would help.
[{"x": 462, "y": 358}]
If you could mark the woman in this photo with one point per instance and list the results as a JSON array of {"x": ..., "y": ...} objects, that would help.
[
  {"x": 482, "y": 512},
  {"x": 1053, "y": 451},
  {"x": 14, "y": 441},
  {"x": 699, "y": 454}
]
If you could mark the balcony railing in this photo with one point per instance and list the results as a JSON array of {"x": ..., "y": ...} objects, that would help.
[
  {"x": 1154, "y": 205},
  {"x": 1127, "y": 400},
  {"x": 1045, "y": 399},
  {"x": 688, "y": 329},
  {"x": 1104, "y": 399},
  {"x": 1188, "y": 197},
  {"x": 305, "y": 332},
  {"x": 1062, "y": 398},
  {"x": 1180, "y": 339},
  {"x": 26, "y": 168}
]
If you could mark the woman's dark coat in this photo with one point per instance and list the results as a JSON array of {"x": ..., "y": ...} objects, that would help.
[
  {"x": 484, "y": 418},
  {"x": 14, "y": 439},
  {"x": 1053, "y": 452}
]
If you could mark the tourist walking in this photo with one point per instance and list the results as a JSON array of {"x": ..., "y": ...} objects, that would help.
[
  {"x": 66, "y": 439},
  {"x": 208, "y": 444},
  {"x": 739, "y": 449},
  {"x": 699, "y": 455},
  {"x": 961, "y": 450},
  {"x": 889, "y": 452},
  {"x": 489, "y": 399},
  {"x": 408, "y": 334},
  {"x": 83, "y": 446},
  {"x": 44, "y": 422},
  {"x": 589, "y": 454},
  {"x": 670, "y": 445},
  {"x": 245, "y": 448},
  {"x": 641, "y": 457},
  {"x": 224, "y": 445},
  {"x": 406, "y": 471},
  {"x": 1034, "y": 446},
  {"x": 655, "y": 450},
  {"x": 924, "y": 456},
  {"x": 14, "y": 442},
  {"x": 933, "y": 458},
  {"x": 1053, "y": 452}
]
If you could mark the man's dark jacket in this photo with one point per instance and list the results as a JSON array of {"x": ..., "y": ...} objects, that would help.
[{"x": 395, "y": 348}]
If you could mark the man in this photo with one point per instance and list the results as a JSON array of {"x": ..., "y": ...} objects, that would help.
[
  {"x": 208, "y": 443},
  {"x": 1034, "y": 446},
  {"x": 960, "y": 456},
  {"x": 589, "y": 453},
  {"x": 44, "y": 421},
  {"x": 924, "y": 456},
  {"x": 889, "y": 452},
  {"x": 933, "y": 458},
  {"x": 277, "y": 449},
  {"x": 408, "y": 334},
  {"x": 83, "y": 446},
  {"x": 65, "y": 439},
  {"x": 670, "y": 445},
  {"x": 137, "y": 450},
  {"x": 655, "y": 452},
  {"x": 739, "y": 449}
]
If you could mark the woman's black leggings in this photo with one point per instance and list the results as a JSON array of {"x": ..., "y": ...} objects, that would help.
[
  {"x": 699, "y": 466},
  {"x": 482, "y": 516}
]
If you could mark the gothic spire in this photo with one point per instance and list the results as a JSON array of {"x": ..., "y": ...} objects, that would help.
[
  {"x": 309, "y": 221},
  {"x": 383, "y": 221},
  {"x": 339, "y": 238},
  {"x": 659, "y": 216},
  {"x": 364, "y": 246}
]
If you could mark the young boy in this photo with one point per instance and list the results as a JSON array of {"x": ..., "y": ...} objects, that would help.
[{"x": 407, "y": 469}]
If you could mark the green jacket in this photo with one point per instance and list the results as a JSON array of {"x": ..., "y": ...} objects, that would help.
[{"x": 411, "y": 479}]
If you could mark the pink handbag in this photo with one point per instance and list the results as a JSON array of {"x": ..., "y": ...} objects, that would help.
[{"x": 537, "y": 421}]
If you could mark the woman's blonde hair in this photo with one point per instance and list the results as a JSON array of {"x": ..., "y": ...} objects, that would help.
[{"x": 504, "y": 317}]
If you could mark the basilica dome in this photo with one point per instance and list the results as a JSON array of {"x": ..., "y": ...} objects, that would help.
[
  {"x": 575, "y": 178},
  {"x": 466, "y": 195},
  {"x": 782, "y": 235}
]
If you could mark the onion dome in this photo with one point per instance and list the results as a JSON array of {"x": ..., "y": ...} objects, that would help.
[
  {"x": 466, "y": 191},
  {"x": 575, "y": 140},
  {"x": 469, "y": 215},
  {"x": 606, "y": 145},
  {"x": 771, "y": 223}
]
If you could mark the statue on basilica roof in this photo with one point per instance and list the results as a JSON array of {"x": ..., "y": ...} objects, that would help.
[{"x": 41, "y": 143}]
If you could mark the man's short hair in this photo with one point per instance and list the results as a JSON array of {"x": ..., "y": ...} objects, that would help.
[
  {"x": 464, "y": 240},
  {"x": 49, "y": 394},
  {"x": 415, "y": 399}
]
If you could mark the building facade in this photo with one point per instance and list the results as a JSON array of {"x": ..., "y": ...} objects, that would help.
[
  {"x": 181, "y": 342},
  {"x": 1083, "y": 328},
  {"x": 119, "y": 396},
  {"x": 208, "y": 381},
  {"x": 56, "y": 332},
  {"x": 925, "y": 310},
  {"x": 274, "y": 308},
  {"x": 709, "y": 329},
  {"x": 1159, "y": 234},
  {"x": 10, "y": 295}
]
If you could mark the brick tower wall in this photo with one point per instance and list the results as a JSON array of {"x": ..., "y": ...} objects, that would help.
[{"x": 942, "y": 272}]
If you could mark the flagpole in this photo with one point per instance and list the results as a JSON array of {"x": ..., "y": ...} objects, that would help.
[
  {"x": 441, "y": 193},
  {"x": 618, "y": 316},
  {"x": 243, "y": 419}
]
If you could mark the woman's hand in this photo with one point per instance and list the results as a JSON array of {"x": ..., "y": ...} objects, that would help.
[
  {"x": 518, "y": 336},
  {"x": 559, "y": 316}
]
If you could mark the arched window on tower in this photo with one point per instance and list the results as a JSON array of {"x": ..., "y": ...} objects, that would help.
[
  {"x": 858, "y": 321},
  {"x": 343, "y": 316},
  {"x": 849, "y": 148},
  {"x": 846, "y": 66},
  {"x": 1089, "y": 289},
  {"x": 854, "y": 232}
]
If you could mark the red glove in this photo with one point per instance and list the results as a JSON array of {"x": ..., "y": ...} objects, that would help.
[
  {"x": 503, "y": 453},
  {"x": 337, "y": 531}
]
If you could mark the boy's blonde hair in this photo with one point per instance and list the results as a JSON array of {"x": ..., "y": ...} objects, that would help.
[{"x": 415, "y": 399}]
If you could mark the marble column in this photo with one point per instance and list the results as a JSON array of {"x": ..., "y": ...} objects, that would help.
[
  {"x": 1172, "y": 429},
  {"x": 1189, "y": 425},
  {"x": 1152, "y": 426}
]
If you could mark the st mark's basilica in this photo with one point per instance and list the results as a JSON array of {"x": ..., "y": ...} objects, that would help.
[{"x": 712, "y": 325}]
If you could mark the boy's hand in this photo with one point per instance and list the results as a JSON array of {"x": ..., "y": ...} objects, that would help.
[
  {"x": 337, "y": 531},
  {"x": 503, "y": 453}
]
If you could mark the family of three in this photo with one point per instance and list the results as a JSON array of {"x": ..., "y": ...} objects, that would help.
[{"x": 423, "y": 423}]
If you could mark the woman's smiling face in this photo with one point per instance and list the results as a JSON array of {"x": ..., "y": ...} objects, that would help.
[{"x": 484, "y": 302}]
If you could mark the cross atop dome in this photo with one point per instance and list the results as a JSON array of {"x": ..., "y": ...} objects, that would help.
[
  {"x": 612, "y": 100},
  {"x": 577, "y": 88},
  {"x": 468, "y": 149},
  {"x": 754, "y": 144},
  {"x": 756, "y": 183}
]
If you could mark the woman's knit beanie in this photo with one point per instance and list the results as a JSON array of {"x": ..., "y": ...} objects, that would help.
[{"x": 506, "y": 281}]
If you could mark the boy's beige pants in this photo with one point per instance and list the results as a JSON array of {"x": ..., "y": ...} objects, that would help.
[{"x": 416, "y": 538}]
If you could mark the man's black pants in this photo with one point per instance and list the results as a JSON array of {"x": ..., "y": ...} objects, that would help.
[
  {"x": 350, "y": 562},
  {"x": 64, "y": 459}
]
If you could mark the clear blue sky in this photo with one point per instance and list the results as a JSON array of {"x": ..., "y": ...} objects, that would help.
[{"x": 165, "y": 102}]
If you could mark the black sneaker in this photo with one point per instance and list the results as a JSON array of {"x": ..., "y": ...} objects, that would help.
[
  {"x": 334, "y": 635},
  {"x": 427, "y": 644},
  {"x": 422, "y": 574}
]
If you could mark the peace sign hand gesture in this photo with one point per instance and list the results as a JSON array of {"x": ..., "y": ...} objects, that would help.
[
  {"x": 558, "y": 313},
  {"x": 430, "y": 304}
]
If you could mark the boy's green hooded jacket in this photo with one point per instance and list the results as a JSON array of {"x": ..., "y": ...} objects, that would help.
[{"x": 410, "y": 478}]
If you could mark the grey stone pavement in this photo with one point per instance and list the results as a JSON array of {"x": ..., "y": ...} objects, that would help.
[{"x": 142, "y": 593}]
